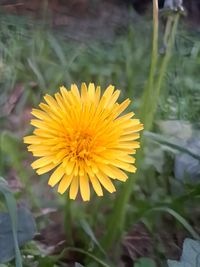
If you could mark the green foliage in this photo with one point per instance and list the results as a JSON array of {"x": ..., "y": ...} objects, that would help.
[
  {"x": 87, "y": 229},
  {"x": 25, "y": 232},
  {"x": 11, "y": 151},
  {"x": 49, "y": 60},
  {"x": 12, "y": 209},
  {"x": 172, "y": 145},
  {"x": 16, "y": 227},
  {"x": 181, "y": 96},
  {"x": 145, "y": 262}
]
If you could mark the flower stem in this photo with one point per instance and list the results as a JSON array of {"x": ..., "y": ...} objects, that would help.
[
  {"x": 173, "y": 21},
  {"x": 68, "y": 222},
  {"x": 147, "y": 95},
  {"x": 148, "y": 109}
]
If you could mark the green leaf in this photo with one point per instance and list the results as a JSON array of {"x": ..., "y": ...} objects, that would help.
[
  {"x": 171, "y": 145},
  {"x": 34, "y": 67},
  {"x": 93, "y": 257},
  {"x": 12, "y": 209},
  {"x": 57, "y": 48},
  {"x": 176, "y": 129},
  {"x": 145, "y": 262},
  {"x": 179, "y": 218},
  {"x": 25, "y": 232},
  {"x": 186, "y": 167},
  {"x": 46, "y": 261},
  {"x": 90, "y": 233}
]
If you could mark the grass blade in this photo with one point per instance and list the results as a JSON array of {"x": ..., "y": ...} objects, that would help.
[
  {"x": 90, "y": 233},
  {"x": 179, "y": 218},
  {"x": 57, "y": 48},
  {"x": 37, "y": 73},
  {"x": 101, "y": 263}
]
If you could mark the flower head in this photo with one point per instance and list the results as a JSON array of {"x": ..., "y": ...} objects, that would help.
[{"x": 84, "y": 139}]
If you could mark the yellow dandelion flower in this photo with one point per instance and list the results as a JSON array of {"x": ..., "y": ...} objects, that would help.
[{"x": 83, "y": 137}]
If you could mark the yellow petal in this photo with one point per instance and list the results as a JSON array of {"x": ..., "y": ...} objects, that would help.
[
  {"x": 37, "y": 147},
  {"x": 124, "y": 166},
  {"x": 84, "y": 188},
  {"x": 113, "y": 99},
  {"x": 74, "y": 188},
  {"x": 42, "y": 162},
  {"x": 60, "y": 102},
  {"x": 64, "y": 183},
  {"x": 52, "y": 103},
  {"x": 127, "y": 158},
  {"x": 91, "y": 92},
  {"x": 64, "y": 94},
  {"x": 113, "y": 172},
  {"x": 32, "y": 139},
  {"x": 75, "y": 91},
  {"x": 84, "y": 92},
  {"x": 122, "y": 107},
  {"x": 44, "y": 134},
  {"x": 125, "y": 145},
  {"x": 40, "y": 114},
  {"x": 42, "y": 153},
  {"x": 69, "y": 167},
  {"x": 46, "y": 168},
  {"x": 136, "y": 128},
  {"x": 125, "y": 119},
  {"x": 56, "y": 176},
  {"x": 46, "y": 126},
  {"x": 97, "y": 95},
  {"x": 96, "y": 185},
  {"x": 109, "y": 91},
  {"x": 129, "y": 137},
  {"x": 106, "y": 182}
]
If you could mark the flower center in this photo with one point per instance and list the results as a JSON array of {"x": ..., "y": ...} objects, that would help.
[{"x": 81, "y": 146}]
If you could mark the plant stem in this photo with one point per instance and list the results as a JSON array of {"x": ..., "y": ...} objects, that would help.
[
  {"x": 68, "y": 222},
  {"x": 116, "y": 222},
  {"x": 148, "y": 109},
  {"x": 148, "y": 97},
  {"x": 163, "y": 69}
]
